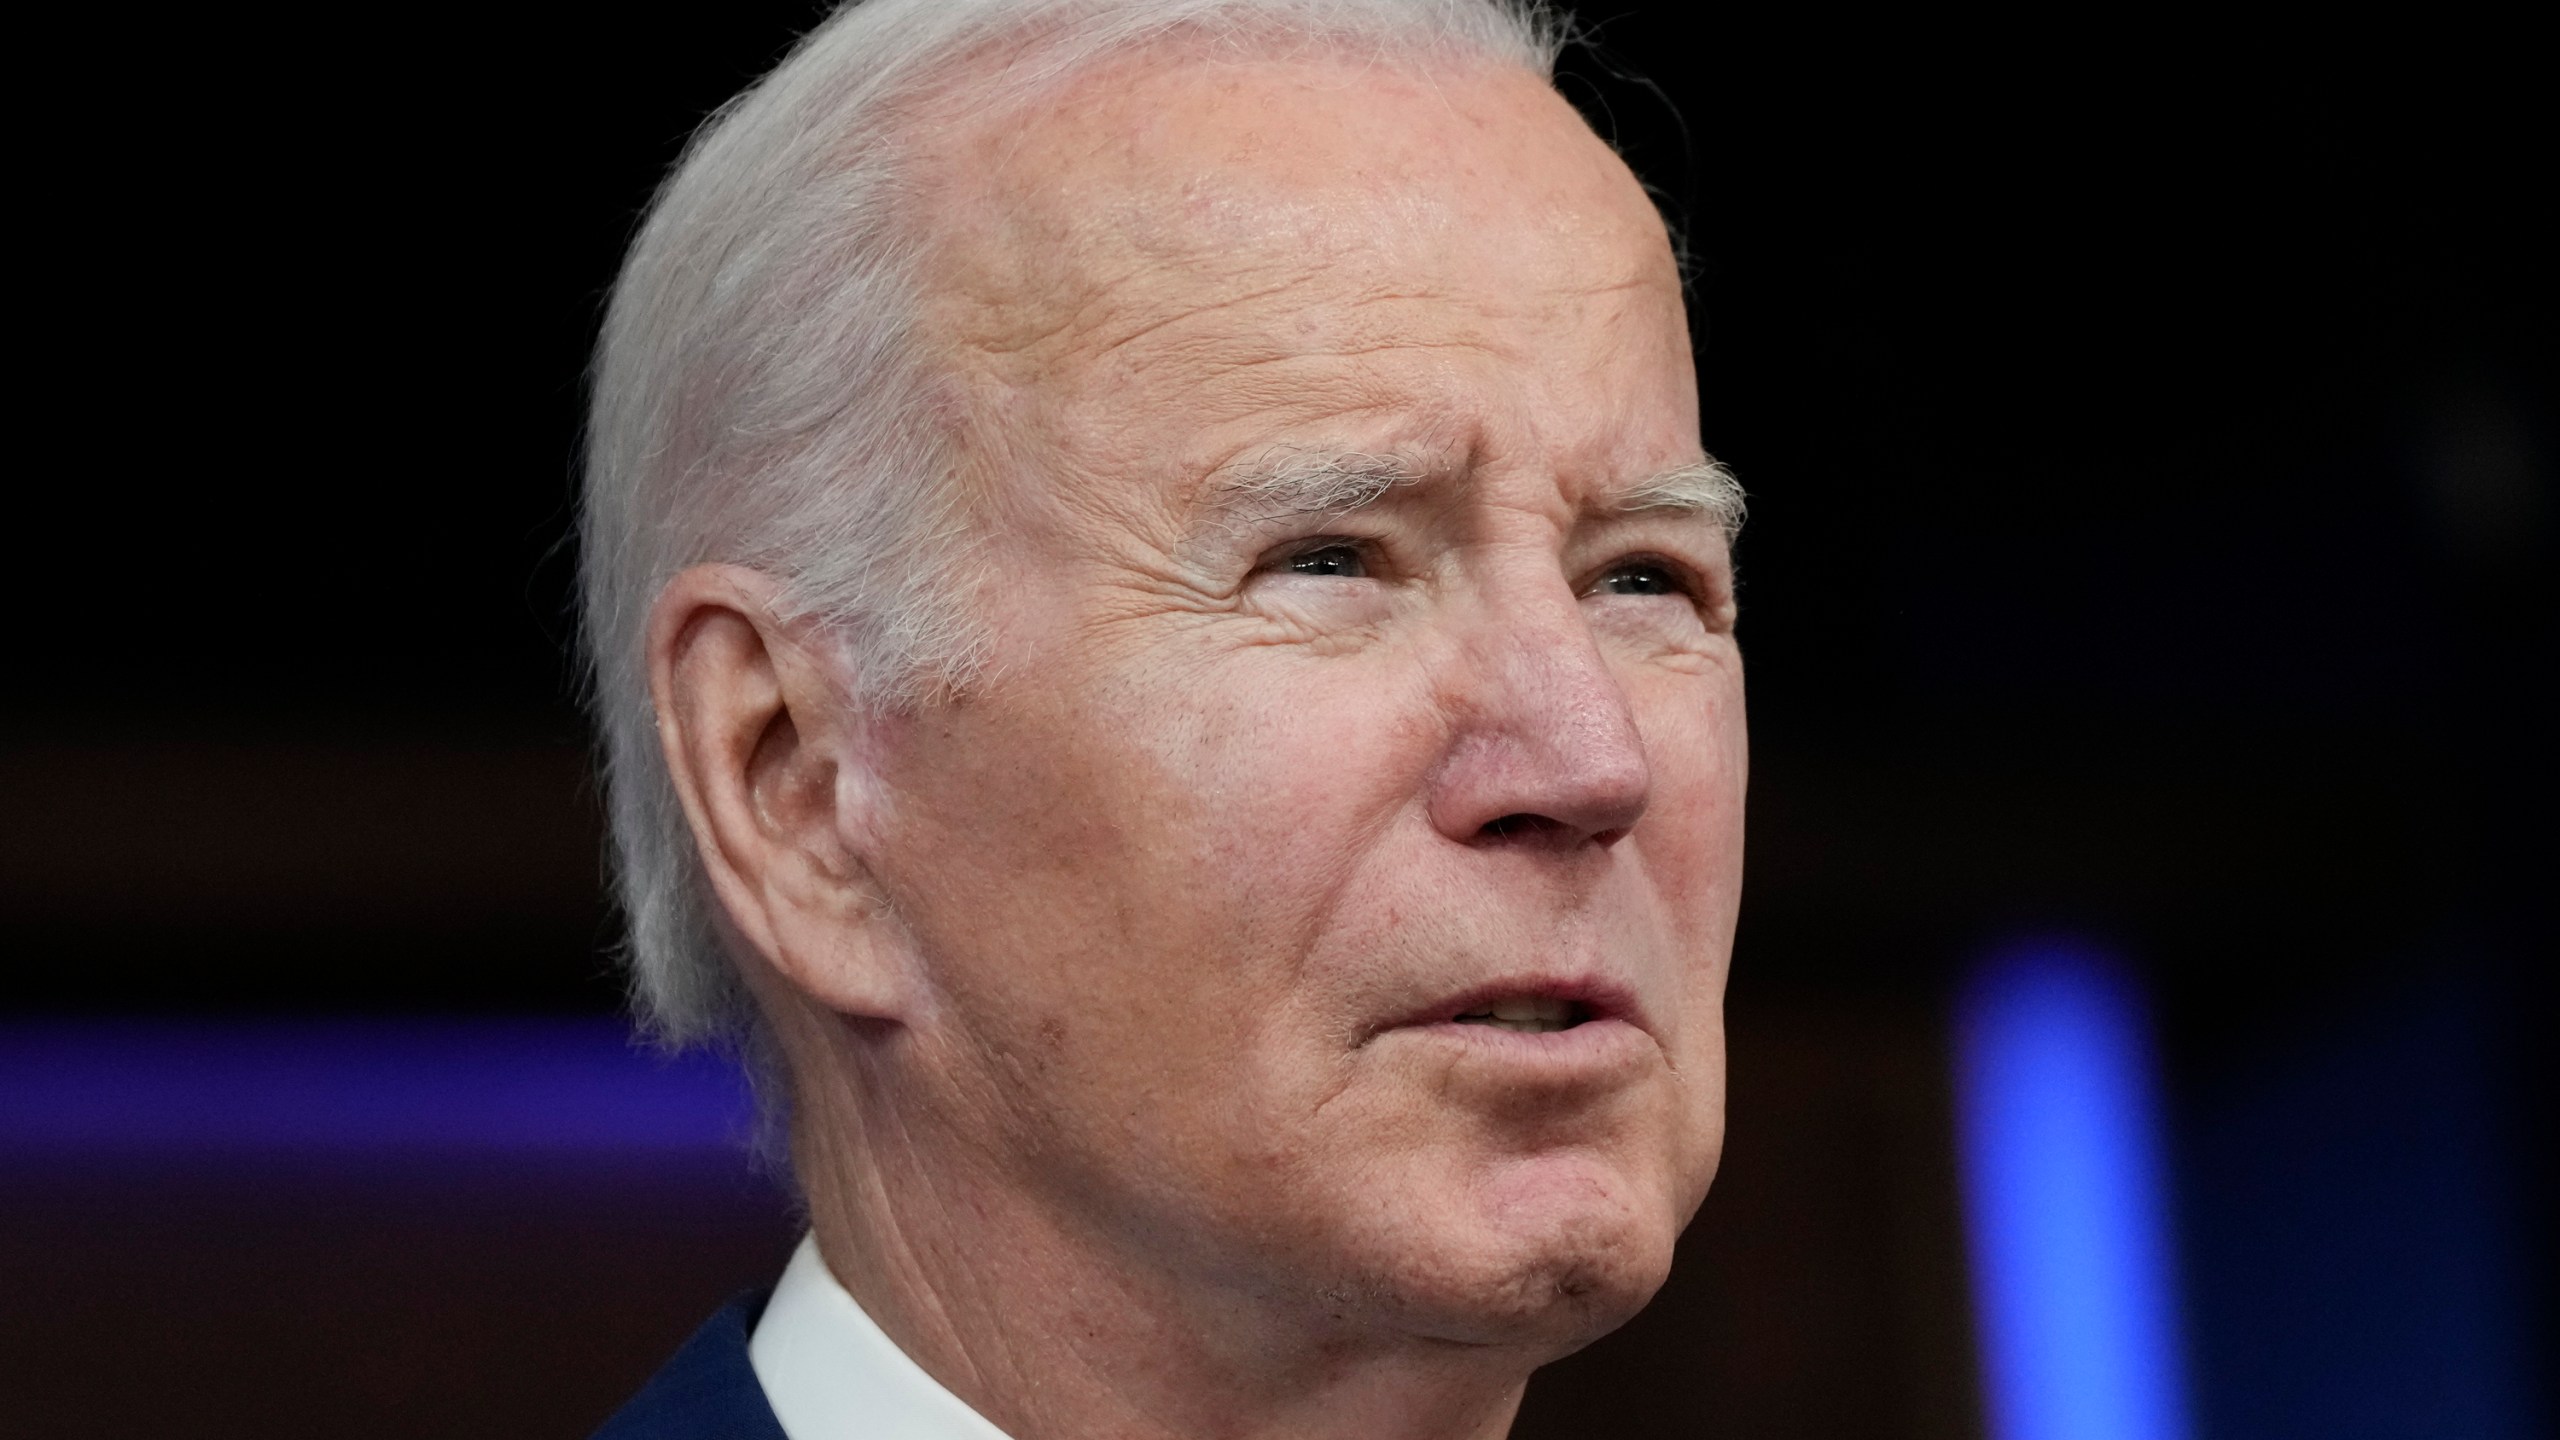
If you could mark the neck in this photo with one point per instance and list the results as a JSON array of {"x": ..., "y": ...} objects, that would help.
[{"x": 1053, "y": 1332}]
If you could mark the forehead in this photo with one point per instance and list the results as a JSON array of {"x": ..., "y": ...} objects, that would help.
[{"x": 1227, "y": 248}]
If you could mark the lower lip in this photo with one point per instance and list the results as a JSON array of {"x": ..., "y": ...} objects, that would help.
[{"x": 1573, "y": 1052}]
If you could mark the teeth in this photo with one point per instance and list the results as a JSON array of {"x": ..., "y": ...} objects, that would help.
[
  {"x": 1537, "y": 1008},
  {"x": 1532, "y": 1013}
]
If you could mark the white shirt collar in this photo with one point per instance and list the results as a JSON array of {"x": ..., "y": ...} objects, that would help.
[{"x": 830, "y": 1373}]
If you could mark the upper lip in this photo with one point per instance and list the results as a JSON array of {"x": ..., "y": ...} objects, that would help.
[{"x": 1597, "y": 997}]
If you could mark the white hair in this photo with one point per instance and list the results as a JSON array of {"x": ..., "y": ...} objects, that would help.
[{"x": 760, "y": 396}]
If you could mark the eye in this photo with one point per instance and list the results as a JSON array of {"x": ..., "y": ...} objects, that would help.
[
  {"x": 1639, "y": 577},
  {"x": 1338, "y": 558}
]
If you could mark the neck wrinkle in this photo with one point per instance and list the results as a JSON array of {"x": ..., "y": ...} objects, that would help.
[{"x": 1052, "y": 1336}]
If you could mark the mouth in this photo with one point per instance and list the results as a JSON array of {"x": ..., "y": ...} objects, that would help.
[
  {"x": 1527, "y": 1014},
  {"x": 1580, "y": 1034},
  {"x": 1529, "y": 1006}
]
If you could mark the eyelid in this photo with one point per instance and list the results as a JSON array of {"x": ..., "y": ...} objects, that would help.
[
  {"x": 1687, "y": 575},
  {"x": 1709, "y": 589},
  {"x": 1282, "y": 554}
]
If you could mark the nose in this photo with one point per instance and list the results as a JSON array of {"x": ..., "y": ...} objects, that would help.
[{"x": 1544, "y": 750}]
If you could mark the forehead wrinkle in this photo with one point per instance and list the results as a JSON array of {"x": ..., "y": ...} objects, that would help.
[
  {"x": 1366, "y": 326},
  {"x": 1145, "y": 326},
  {"x": 1124, "y": 312},
  {"x": 1336, "y": 331},
  {"x": 1105, "y": 317}
]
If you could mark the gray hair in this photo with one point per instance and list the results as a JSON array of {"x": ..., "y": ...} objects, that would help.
[{"x": 760, "y": 395}]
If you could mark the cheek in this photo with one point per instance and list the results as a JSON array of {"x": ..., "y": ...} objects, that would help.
[
  {"x": 1697, "y": 750},
  {"x": 1273, "y": 800},
  {"x": 1121, "y": 876},
  {"x": 1691, "y": 837}
]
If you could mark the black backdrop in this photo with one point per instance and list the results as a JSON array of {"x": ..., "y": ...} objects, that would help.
[
  {"x": 2156, "y": 399},
  {"x": 2149, "y": 430}
]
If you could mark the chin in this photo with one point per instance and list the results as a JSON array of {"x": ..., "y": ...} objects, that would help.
[{"x": 1545, "y": 1254}]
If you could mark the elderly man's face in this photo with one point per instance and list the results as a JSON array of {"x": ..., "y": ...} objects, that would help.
[{"x": 1329, "y": 902}]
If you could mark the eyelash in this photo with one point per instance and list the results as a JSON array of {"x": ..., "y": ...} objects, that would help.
[
  {"x": 1297, "y": 559},
  {"x": 1674, "y": 575},
  {"x": 1361, "y": 552}
]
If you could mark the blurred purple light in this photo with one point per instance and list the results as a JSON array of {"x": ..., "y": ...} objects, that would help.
[
  {"x": 2065, "y": 1199},
  {"x": 367, "y": 1085}
]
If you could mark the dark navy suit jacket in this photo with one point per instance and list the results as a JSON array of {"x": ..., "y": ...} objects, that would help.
[{"x": 708, "y": 1391}]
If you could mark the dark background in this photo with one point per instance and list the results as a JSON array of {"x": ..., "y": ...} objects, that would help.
[{"x": 2150, "y": 439}]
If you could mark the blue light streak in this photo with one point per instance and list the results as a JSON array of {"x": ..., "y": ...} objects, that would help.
[
  {"x": 2065, "y": 1198},
  {"x": 549, "y": 1086}
]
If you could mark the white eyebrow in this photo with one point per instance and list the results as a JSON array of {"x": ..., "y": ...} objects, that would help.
[
  {"x": 1311, "y": 483},
  {"x": 1337, "y": 483},
  {"x": 1706, "y": 488}
]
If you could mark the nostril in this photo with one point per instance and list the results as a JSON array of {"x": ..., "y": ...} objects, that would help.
[{"x": 1519, "y": 825}]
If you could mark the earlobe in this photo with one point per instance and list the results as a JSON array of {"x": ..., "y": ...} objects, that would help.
[{"x": 758, "y": 736}]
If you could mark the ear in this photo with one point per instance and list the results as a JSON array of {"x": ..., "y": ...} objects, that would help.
[{"x": 774, "y": 767}]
